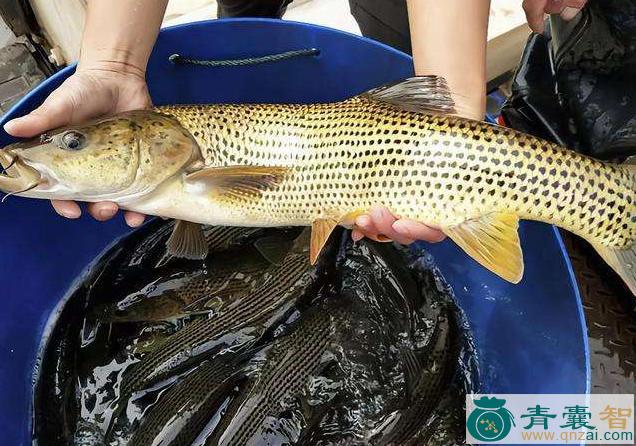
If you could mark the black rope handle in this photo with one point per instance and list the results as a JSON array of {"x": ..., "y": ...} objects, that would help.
[{"x": 178, "y": 59}]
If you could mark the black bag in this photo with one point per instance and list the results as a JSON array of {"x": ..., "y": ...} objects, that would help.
[{"x": 576, "y": 85}]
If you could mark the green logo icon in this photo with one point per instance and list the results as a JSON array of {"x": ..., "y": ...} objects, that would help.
[{"x": 489, "y": 420}]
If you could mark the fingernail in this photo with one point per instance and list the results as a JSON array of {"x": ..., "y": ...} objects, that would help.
[
  {"x": 363, "y": 220},
  {"x": 9, "y": 127},
  {"x": 135, "y": 221},
  {"x": 377, "y": 213},
  {"x": 569, "y": 13},
  {"x": 76, "y": 213},
  {"x": 401, "y": 227},
  {"x": 106, "y": 213}
]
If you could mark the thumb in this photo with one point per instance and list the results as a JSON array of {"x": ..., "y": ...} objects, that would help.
[
  {"x": 55, "y": 112},
  {"x": 535, "y": 14}
]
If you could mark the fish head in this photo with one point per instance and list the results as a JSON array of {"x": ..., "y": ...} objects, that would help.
[{"x": 117, "y": 159}]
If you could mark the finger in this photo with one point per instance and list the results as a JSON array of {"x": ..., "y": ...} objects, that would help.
[
  {"x": 68, "y": 209},
  {"x": 356, "y": 235},
  {"x": 383, "y": 221},
  {"x": 365, "y": 226},
  {"x": 55, "y": 112},
  {"x": 578, "y": 4},
  {"x": 134, "y": 219},
  {"x": 535, "y": 15},
  {"x": 554, "y": 6},
  {"x": 569, "y": 13},
  {"x": 419, "y": 231},
  {"x": 103, "y": 211}
]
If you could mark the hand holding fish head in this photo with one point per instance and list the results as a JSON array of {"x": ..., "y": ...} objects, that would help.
[{"x": 117, "y": 159}]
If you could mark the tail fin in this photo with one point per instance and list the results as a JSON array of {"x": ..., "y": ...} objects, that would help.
[{"x": 622, "y": 261}]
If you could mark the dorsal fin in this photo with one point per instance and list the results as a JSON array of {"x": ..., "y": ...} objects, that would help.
[{"x": 423, "y": 94}]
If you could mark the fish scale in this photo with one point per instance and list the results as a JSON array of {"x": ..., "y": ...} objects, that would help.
[{"x": 437, "y": 169}]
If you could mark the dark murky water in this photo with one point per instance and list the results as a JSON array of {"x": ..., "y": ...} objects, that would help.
[{"x": 253, "y": 346}]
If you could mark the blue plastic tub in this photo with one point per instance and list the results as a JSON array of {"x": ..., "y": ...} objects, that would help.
[{"x": 530, "y": 338}]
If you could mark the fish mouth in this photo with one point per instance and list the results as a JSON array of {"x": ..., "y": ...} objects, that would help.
[{"x": 15, "y": 175}]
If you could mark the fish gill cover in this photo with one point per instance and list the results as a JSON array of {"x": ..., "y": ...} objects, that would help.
[{"x": 254, "y": 346}]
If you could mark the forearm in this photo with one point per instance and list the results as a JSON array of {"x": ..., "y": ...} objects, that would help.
[
  {"x": 119, "y": 34},
  {"x": 449, "y": 39}
]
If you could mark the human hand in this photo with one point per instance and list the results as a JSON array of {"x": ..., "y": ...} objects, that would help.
[
  {"x": 537, "y": 9},
  {"x": 89, "y": 93},
  {"x": 380, "y": 225}
]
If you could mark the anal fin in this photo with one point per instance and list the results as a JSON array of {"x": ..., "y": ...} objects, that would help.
[
  {"x": 492, "y": 241},
  {"x": 622, "y": 261},
  {"x": 187, "y": 241},
  {"x": 321, "y": 229}
]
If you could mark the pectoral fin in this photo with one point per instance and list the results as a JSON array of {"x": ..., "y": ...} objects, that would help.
[
  {"x": 320, "y": 231},
  {"x": 241, "y": 182},
  {"x": 622, "y": 261},
  {"x": 493, "y": 241},
  {"x": 187, "y": 241}
]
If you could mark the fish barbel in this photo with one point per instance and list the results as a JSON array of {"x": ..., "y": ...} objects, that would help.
[{"x": 321, "y": 165}]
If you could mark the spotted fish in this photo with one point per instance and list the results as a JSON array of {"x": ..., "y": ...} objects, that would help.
[
  {"x": 321, "y": 165},
  {"x": 275, "y": 293}
]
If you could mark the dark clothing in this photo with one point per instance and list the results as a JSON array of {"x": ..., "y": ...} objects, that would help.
[
  {"x": 383, "y": 20},
  {"x": 386, "y": 21},
  {"x": 252, "y": 8}
]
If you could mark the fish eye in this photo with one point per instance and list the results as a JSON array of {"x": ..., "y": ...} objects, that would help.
[{"x": 72, "y": 140}]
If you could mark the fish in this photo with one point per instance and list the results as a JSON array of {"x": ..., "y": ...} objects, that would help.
[
  {"x": 427, "y": 373},
  {"x": 180, "y": 415},
  {"x": 290, "y": 362},
  {"x": 236, "y": 258},
  {"x": 401, "y": 145},
  {"x": 279, "y": 288},
  {"x": 180, "y": 290},
  {"x": 177, "y": 296}
]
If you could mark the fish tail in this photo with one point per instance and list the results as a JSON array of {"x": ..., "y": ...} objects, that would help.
[{"x": 623, "y": 259}]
